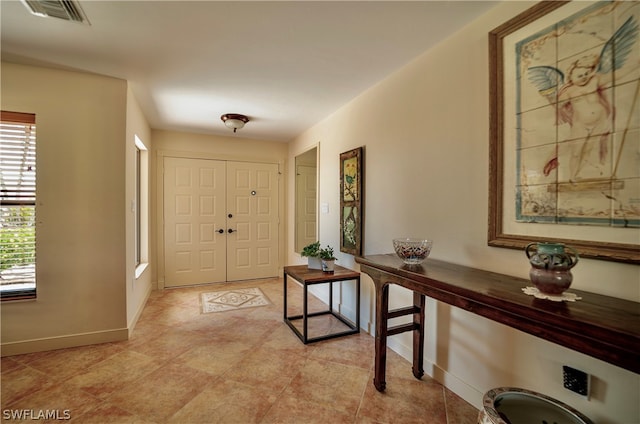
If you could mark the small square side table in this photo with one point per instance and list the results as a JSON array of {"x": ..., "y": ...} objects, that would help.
[{"x": 308, "y": 277}]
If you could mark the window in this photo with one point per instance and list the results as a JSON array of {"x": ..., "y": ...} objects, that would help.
[
  {"x": 17, "y": 205},
  {"x": 137, "y": 209},
  {"x": 140, "y": 206}
]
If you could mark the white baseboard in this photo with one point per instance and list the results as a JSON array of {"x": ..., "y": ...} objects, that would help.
[
  {"x": 450, "y": 381},
  {"x": 135, "y": 319},
  {"x": 62, "y": 342}
]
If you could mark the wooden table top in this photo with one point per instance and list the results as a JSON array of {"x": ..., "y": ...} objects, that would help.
[{"x": 303, "y": 274}]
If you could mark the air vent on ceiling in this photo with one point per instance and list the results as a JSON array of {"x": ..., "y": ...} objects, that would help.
[{"x": 68, "y": 10}]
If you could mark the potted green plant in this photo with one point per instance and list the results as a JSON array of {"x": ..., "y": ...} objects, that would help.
[
  {"x": 328, "y": 260},
  {"x": 312, "y": 253}
]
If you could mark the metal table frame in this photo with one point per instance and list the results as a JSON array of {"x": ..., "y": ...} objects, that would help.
[{"x": 307, "y": 277}]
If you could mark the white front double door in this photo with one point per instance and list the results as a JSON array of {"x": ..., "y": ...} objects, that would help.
[{"x": 220, "y": 221}]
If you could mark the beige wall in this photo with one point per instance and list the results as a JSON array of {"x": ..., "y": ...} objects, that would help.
[
  {"x": 425, "y": 132},
  {"x": 232, "y": 147},
  {"x": 138, "y": 288},
  {"x": 81, "y": 263}
]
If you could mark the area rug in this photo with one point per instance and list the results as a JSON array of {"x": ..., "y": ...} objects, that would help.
[{"x": 232, "y": 300}]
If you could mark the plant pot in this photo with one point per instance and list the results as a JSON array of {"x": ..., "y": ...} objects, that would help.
[
  {"x": 314, "y": 262},
  {"x": 328, "y": 265}
]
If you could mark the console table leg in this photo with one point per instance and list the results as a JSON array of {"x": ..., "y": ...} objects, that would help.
[
  {"x": 330, "y": 297},
  {"x": 418, "y": 335},
  {"x": 382, "y": 316},
  {"x": 285, "y": 297},
  {"x": 305, "y": 314}
]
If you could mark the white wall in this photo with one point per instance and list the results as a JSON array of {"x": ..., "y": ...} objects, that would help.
[
  {"x": 426, "y": 137},
  {"x": 80, "y": 120}
]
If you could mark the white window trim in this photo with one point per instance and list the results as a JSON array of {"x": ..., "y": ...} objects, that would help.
[{"x": 142, "y": 209}]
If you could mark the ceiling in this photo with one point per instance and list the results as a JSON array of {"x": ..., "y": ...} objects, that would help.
[{"x": 286, "y": 65}]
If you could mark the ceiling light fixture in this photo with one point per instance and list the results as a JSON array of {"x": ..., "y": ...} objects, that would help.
[{"x": 234, "y": 121}]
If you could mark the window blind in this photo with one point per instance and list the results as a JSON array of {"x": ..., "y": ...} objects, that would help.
[{"x": 17, "y": 203}]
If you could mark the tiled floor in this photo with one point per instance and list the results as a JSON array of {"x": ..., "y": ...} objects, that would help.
[{"x": 245, "y": 366}]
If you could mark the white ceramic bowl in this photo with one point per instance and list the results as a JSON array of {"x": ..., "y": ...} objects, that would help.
[{"x": 412, "y": 250}]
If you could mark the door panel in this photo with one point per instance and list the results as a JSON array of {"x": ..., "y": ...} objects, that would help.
[
  {"x": 194, "y": 211},
  {"x": 252, "y": 199}
]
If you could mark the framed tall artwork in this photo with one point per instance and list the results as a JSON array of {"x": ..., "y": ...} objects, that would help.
[
  {"x": 565, "y": 128},
  {"x": 351, "y": 196}
]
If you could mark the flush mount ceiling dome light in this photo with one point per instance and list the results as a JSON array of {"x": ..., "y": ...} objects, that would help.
[{"x": 234, "y": 121}]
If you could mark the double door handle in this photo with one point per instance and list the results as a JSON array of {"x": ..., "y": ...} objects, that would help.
[{"x": 230, "y": 230}]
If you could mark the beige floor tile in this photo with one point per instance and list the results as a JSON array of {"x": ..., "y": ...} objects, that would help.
[
  {"x": 250, "y": 330},
  {"x": 60, "y": 398},
  {"x": 266, "y": 313},
  {"x": 336, "y": 386},
  {"x": 114, "y": 374},
  {"x": 291, "y": 410},
  {"x": 458, "y": 410},
  {"x": 168, "y": 344},
  {"x": 355, "y": 349},
  {"x": 267, "y": 369},
  {"x": 106, "y": 413},
  {"x": 147, "y": 329},
  {"x": 64, "y": 363},
  {"x": 405, "y": 401},
  {"x": 216, "y": 357},
  {"x": 162, "y": 393},
  {"x": 8, "y": 364},
  {"x": 172, "y": 314},
  {"x": 22, "y": 381},
  {"x": 244, "y": 366},
  {"x": 283, "y": 340},
  {"x": 320, "y": 326},
  {"x": 226, "y": 402},
  {"x": 213, "y": 326}
]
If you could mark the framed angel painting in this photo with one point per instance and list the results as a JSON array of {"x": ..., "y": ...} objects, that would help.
[{"x": 565, "y": 128}]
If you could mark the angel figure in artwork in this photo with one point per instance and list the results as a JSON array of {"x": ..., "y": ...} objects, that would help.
[{"x": 583, "y": 103}]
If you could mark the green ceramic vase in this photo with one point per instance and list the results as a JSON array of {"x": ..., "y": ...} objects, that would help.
[{"x": 551, "y": 265}]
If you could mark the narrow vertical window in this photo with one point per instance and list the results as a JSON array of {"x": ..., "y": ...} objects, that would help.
[
  {"x": 17, "y": 205},
  {"x": 138, "y": 217},
  {"x": 141, "y": 209}
]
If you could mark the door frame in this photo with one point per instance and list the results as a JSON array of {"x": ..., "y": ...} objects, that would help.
[{"x": 159, "y": 193}]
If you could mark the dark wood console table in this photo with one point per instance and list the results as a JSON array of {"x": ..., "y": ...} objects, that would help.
[{"x": 603, "y": 327}]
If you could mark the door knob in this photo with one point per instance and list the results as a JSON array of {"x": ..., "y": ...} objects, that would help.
[
  {"x": 231, "y": 230},
  {"x": 221, "y": 231},
  {"x": 230, "y": 215}
]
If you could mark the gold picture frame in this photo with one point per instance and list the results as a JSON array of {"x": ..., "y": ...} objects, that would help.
[
  {"x": 517, "y": 76},
  {"x": 351, "y": 196}
]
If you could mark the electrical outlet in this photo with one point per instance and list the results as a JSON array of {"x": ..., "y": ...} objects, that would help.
[{"x": 575, "y": 380}]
